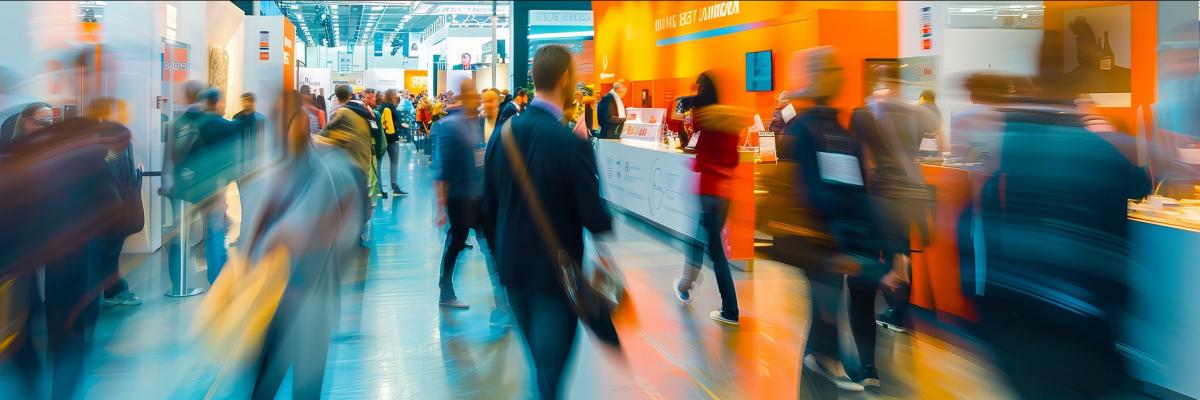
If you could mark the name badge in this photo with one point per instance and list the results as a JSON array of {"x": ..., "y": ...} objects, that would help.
[{"x": 480, "y": 154}]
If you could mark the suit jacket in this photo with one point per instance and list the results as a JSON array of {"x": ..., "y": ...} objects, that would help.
[
  {"x": 562, "y": 169},
  {"x": 610, "y": 120}
]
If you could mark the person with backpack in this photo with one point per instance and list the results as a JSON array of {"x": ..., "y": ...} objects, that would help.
[
  {"x": 390, "y": 122},
  {"x": 829, "y": 164},
  {"x": 200, "y": 162}
]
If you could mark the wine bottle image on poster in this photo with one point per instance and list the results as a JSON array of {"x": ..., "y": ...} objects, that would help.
[{"x": 1097, "y": 51}]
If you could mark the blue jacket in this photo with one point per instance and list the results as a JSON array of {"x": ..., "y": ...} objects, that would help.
[
  {"x": 562, "y": 169},
  {"x": 456, "y": 139}
]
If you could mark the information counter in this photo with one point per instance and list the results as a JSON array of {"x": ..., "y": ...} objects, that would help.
[
  {"x": 657, "y": 184},
  {"x": 1160, "y": 332}
]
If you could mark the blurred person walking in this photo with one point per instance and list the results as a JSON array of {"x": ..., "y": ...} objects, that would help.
[
  {"x": 316, "y": 115},
  {"x": 458, "y": 160},
  {"x": 251, "y": 141},
  {"x": 829, "y": 169},
  {"x": 72, "y": 202},
  {"x": 716, "y": 157},
  {"x": 561, "y": 168},
  {"x": 891, "y": 131},
  {"x": 315, "y": 185},
  {"x": 1058, "y": 256},
  {"x": 350, "y": 129},
  {"x": 389, "y": 121},
  {"x": 108, "y": 117},
  {"x": 32, "y": 118},
  {"x": 198, "y": 165},
  {"x": 514, "y": 105}
]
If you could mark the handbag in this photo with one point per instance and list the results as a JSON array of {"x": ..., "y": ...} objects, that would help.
[{"x": 594, "y": 298}]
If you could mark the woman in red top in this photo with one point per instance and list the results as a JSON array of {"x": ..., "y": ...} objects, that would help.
[{"x": 719, "y": 128}]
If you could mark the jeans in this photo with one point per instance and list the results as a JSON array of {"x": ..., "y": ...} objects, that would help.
[
  {"x": 110, "y": 266},
  {"x": 713, "y": 212},
  {"x": 393, "y": 153},
  {"x": 214, "y": 239},
  {"x": 462, "y": 216},
  {"x": 548, "y": 325}
]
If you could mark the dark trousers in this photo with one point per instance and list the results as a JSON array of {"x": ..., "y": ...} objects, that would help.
[
  {"x": 70, "y": 315},
  {"x": 462, "y": 215},
  {"x": 825, "y": 291},
  {"x": 713, "y": 212},
  {"x": 862, "y": 312},
  {"x": 1045, "y": 360},
  {"x": 548, "y": 325},
  {"x": 110, "y": 266}
]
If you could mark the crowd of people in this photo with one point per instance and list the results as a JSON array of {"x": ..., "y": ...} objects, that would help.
[{"x": 518, "y": 169}]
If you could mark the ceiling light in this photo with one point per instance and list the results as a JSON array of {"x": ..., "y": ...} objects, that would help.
[
  {"x": 1023, "y": 16},
  {"x": 333, "y": 7},
  {"x": 407, "y": 17},
  {"x": 370, "y": 24},
  {"x": 295, "y": 6},
  {"x": 376, "y": 8}
]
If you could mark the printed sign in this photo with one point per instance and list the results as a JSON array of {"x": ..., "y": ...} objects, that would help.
[{"x": 264, "y": 45}]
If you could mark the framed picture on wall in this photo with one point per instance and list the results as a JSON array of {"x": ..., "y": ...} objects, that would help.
[{"x": 1097, "y": 45}]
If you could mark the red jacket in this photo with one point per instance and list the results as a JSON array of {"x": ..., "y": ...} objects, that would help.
[{"x": 716, "y": 158}]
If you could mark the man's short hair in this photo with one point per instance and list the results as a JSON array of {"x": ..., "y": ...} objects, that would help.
[
  {"x": 305, "y": 90},
  {"x": 210, "y": 96},
  {"x": 249, "y": 96},
  {"x": 521, "y": 92},
  {"x": 342, "y": 92},
  {"x": 549, "y": 64}
]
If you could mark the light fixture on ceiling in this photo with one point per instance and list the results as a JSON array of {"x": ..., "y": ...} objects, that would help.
[
  {"x": 1024, "y": 15},
  {"x": 295, "y": 6},
  {"x": 333, "y": 7},
  {"x": 377, "y": 8}
]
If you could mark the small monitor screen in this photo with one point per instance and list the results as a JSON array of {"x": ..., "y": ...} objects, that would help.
[{"x": 759, "y": 71}]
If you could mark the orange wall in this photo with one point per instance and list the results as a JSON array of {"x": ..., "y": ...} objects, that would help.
[
  {"x": 626, "y": 37},
  {"x": 1144, "y": 56}
]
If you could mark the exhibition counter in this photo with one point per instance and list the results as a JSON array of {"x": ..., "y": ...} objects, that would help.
[
  {"x": 657, "y": 184},
  {"x": 1161, "y": 328}
]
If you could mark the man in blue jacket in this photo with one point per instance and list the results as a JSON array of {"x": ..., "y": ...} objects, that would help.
[{"x": 458, "y": 158}]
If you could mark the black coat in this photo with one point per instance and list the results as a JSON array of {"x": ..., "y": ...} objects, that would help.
[
  {"x": 562, "y": 169},
  {"x": 610, "y": 121}
]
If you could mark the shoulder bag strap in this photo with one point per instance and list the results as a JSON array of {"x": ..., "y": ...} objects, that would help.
[{"x": 521, "y": 175}]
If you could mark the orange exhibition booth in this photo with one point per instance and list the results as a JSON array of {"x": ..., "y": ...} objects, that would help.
[{"x": 659, "y": 48}]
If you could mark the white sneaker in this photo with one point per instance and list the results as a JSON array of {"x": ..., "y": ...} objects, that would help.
[
  {"x": 716, "y": 316},
  {"x": 684, "y": 296},
  {"x": 839, "y": 378},
  {"x": 124, "y": 299}
]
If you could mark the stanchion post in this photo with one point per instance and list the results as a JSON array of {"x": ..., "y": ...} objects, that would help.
[{"x": 185, "y": 221}]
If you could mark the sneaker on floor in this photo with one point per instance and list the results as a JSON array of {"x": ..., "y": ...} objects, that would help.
[
  {"x": 124, "y": 299},
  {"x": 868, "y": 376},
  {"x": 684, "y": 296},
  {"x": 717, "y": 316},
  {"x": 454, "y": 303},
  {"x": 838, "y": 378},
  {"x": 888, "y": 319},
  {"x": 385, "y": 194}
]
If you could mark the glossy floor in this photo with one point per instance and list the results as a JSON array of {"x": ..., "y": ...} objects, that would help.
[{"x": 394, "y": 342}]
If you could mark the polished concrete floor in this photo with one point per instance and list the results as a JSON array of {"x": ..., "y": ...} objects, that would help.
[{"x": 394, "y": 342}]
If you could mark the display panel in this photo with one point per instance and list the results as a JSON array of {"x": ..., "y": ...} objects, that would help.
[{"x": 759, "y": 71}]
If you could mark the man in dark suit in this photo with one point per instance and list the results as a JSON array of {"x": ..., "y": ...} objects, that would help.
[
  {"x": 612, "y": 111},
  {"x": 562, "y": 170},
  {"x": 513, "y": 106}
]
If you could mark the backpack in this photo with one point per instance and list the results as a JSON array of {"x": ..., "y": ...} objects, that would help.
[
  {"x": 193, "y": 175},
  {"x": 839, "y": 193}
]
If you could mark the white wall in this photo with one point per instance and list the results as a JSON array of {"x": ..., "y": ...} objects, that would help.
[{"x": 384, "y": 78}]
